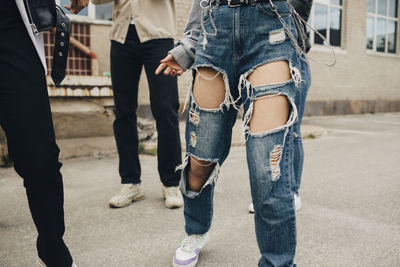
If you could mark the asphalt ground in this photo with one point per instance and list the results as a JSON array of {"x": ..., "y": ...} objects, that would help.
[{"x": 350, "y": 213}]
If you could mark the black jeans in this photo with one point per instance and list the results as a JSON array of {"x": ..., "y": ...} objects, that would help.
[
  {"x": 26, "y": 119},
  {"x": 127, "y": 61}
]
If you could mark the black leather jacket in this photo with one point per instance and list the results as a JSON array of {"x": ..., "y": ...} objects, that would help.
[{"x": 42, "y": 14}]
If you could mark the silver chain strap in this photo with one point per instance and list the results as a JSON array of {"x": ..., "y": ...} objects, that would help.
[
  {"x": 203, "y": 7},
  {"x": 205, "y": 33},
  {"x": 301, "y": 52}
]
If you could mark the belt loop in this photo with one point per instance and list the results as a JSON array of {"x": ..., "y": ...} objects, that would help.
[{"x": 217, "y": 2}]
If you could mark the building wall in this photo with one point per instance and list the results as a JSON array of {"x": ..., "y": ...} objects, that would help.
[
  {"x": 100, "y": 45},
  {"x": 361, "y": 81},
  {"x": 359, "y": 74}
]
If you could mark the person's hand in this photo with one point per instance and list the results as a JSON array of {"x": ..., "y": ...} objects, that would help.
[
  {"x": 77, "y": 5},
  {"x": 170, "y": 65}
]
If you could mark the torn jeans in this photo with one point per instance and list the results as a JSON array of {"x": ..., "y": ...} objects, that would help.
[{"x": 242, "y": 39}]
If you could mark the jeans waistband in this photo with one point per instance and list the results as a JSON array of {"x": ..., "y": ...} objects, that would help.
[{"x": 236, "y": 3}]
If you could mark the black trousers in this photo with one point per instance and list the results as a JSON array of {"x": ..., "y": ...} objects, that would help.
[
  {"x": 26, "y": 119},
  {"x": 127, "y": 61}
]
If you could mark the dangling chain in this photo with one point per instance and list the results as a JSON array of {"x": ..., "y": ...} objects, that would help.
[
  {"x": 301, "y": 50},
  {"x": 203, "y": 5},
  {"x": 212, "y": 23},
  {"x": 302, "y": 32}
]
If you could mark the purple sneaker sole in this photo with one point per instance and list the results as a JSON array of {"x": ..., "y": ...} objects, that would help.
[{"x": 186, "y": 263}]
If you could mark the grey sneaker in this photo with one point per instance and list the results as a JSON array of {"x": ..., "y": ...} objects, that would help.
[
  {"x": 251, "y": 207},
  {"x": 128, "y": 194},
  {"x": 172, "y": 196},
  {"x": 297, "y": 201}
]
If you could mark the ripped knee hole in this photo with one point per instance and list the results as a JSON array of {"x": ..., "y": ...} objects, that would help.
[
  {"x": 269, "y": 112},
  {"x": 271, "y": 73},
  {"x": 209, "y": 88}
]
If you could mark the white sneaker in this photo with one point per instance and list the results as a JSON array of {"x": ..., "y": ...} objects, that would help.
[
  {"x": 251, "y": 207},
  {"x": 42, "y": 264},
  {"x": 172, "y": 196},
  {"x": 187, "y": 254},
  {"x": 128, "y": 194},
  {"x": 297, "y": 201},
  {"x": 297, "y": 204}
]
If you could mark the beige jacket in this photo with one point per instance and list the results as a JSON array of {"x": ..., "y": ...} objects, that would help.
[{"x": 154, "y": 19}]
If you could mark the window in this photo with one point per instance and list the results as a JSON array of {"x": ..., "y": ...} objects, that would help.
[
  {"x": 103, "y": 12},
  {"x": 326, "y": 18},
  {"x": 382, "y": 26}
]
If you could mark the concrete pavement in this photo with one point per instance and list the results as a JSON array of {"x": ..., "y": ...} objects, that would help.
[
  {"x": 350, "y": 214},
  {"x": 98, "y": 147}
]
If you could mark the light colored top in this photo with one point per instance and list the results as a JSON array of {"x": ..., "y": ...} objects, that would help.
[
  {"x": 37, "y": 40},
  {"x": 154, "y": 19}
]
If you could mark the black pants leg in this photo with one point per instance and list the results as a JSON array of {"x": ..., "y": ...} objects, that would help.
[
  {"x": 164, "y": 102},
  {"x": 26, "y": 119},
  {"x": 126, "y": 67},
  {"x": 127, "y": 61}
]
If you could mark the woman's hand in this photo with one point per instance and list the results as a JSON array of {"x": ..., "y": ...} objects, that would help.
[{"x": 170, "y": 65}]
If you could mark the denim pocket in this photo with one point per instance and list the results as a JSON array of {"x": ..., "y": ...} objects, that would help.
[{"x": 282, "y": 8}]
